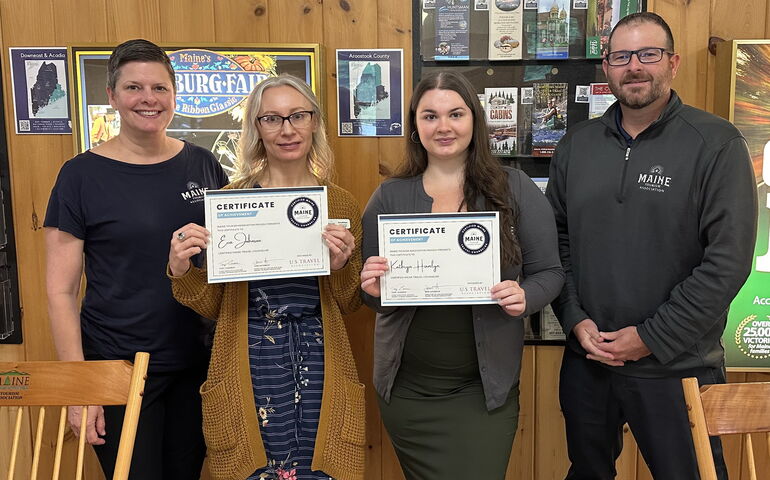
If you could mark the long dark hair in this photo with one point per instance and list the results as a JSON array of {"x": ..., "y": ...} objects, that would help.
[{"x": 484, "y": 176}]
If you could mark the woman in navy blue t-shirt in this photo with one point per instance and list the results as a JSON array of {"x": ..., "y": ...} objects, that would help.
[{"x": 111, "y": 212}]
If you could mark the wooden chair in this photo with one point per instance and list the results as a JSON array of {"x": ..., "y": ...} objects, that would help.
[
  {"x": 730, "y": 408},
  {"x": 112, "y": 382}
]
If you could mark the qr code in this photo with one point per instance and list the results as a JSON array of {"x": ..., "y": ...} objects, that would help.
[
  {"x": 347, "y": 127},
  {"x": 24, "y": 126}
]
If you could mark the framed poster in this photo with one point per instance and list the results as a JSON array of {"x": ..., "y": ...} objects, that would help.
[
  {"x": 40, "y": 90},
  {"x": 743, "y": 96},
  {"x": 212, "y": 83},
  {"x": 370, "y": 85}
]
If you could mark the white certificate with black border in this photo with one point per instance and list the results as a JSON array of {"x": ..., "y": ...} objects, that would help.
[
  {"x": 264, "y": 233},
  {"x": 439, "y": 258}
]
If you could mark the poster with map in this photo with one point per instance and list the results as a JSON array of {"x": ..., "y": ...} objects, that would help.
[
  {"x": 40, "y": 90},
  {"x": 370, "y": 83}
]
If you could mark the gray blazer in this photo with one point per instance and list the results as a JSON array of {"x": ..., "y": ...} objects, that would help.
[{"x": 499, "y": 337}]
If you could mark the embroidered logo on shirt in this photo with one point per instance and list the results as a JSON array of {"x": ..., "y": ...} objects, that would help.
[
  {"x": 654, "y": 181},
  {"x": 194, "y": 193}
]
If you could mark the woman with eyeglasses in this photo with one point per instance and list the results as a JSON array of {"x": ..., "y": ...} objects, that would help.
[{"x": 282, "y": 398}]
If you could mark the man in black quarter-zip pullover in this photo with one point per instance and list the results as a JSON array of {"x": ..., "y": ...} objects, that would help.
[{"x": 655, "y": 206}]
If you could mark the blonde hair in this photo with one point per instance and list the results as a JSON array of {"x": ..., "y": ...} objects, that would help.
[{"x": 252, "y": 156}]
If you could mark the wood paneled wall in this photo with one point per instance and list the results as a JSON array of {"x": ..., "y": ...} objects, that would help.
[{"x": 539, "y": 451}]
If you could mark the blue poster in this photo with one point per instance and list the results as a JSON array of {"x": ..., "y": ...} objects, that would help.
[
  {"x": 370, "y": 87},
  {"x": 40, "y": 90},
  {"x": 452, "y": 29}
]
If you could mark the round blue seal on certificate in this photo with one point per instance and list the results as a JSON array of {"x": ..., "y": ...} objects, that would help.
[
  {"x": 473, "y": 238},
  {"x": 302, "y": 212}
]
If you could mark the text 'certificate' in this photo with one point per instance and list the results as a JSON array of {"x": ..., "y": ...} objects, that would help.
[
  {"x": 439, "y": 258},
  {"x": 266, "y": 233}
]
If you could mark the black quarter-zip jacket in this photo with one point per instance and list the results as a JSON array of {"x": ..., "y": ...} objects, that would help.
[{"x": 658, "y": 233}]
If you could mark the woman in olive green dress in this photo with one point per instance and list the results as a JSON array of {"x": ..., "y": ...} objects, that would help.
[{"x": 447, "y": 376}]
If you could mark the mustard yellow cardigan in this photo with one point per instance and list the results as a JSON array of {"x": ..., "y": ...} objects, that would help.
[{"x": 230, "y": 424}]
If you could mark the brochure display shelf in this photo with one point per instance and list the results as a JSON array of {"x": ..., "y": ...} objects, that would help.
[{"x": 546, "y": 90}]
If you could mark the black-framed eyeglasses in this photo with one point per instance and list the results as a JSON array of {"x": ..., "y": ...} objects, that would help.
[
  {"x": 645, "y": 55},
  {"x": 299, "y": 119}
]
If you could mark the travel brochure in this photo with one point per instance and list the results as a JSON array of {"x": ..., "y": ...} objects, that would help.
[
  {"x": 515, "y": 116},
  {"x": 553, "y": 29},
  {"x": 505, "y": 30},
  {"x": 520, "y": 29},
  {"x": 603, "y": 15},
  {"x": 549, "y": 117},
  {"x": 501, "y": 115},
  {"x": 452, "y": 29}
]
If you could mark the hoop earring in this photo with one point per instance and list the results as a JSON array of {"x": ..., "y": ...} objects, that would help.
[{"x": 412, "y": 138}]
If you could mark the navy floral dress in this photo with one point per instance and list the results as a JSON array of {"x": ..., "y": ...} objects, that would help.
[{"x": 286, "y": 358}]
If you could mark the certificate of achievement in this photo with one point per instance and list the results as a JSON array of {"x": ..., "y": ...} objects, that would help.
[
  {"x": 439, "y": 258},
  {"x": 266, "y": 233}
]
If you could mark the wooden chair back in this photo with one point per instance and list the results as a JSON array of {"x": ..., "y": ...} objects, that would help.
[
  {"x": 722, "y": 409},
  {"x": 43, "y": 384}
]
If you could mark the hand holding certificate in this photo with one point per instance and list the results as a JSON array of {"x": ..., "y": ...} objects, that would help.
[
  {"x": 266, "y": 233},
  {"x": 439, "y": 258}
]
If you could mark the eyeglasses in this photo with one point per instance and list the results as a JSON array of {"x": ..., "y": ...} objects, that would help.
[
  {"x": 275, "y": 122},
  {"x": 645, "y": 55}
]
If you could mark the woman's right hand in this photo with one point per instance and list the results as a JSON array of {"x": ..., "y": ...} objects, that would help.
[
  {"x": 186, "y": 242},
  {"x": 94, "y": 423},
  {"x": 374, "y": 268}
]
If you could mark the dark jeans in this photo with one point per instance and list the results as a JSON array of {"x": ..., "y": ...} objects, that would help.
[
  {"x": 169, "y": 439},
  {"x": 597, "y": 402}
]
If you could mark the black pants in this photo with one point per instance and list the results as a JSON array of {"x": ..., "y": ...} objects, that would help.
[
  {"x": 169, "y": 439},
  {"x": 597, "y": 402}
]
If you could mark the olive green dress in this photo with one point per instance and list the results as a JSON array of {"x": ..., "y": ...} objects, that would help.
[{"x": 437, "y": 417}]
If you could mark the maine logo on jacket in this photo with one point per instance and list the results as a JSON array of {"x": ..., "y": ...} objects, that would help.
[
  {"x": 654, "y": 180},
  {"x": 208, "y": 83}
]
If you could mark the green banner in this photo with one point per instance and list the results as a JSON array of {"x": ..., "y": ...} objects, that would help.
[{"x": 747, "y": 335}]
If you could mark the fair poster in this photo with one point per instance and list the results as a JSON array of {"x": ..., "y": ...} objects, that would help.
[
  {"x": 553, "y": 29},
  {"x": 505, "y": 30},
  {"x": 370, "y": 83},
  {"x": 501, "y": 112},
  {"x": 40, "y": 90},
  {"x": 212, "y": 84},
  {"x": 452, "y": 19}
]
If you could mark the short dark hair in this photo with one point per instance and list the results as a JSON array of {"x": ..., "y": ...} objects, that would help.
[
  {"x": 644, "y": 17},
  {"x": 137, "y": 50}
]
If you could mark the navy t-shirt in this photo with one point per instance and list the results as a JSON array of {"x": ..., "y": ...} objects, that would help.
[{"x": 125, "y": 214}]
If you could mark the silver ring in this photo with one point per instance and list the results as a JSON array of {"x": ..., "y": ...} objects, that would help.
[{"x": 180, "y": 236}]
